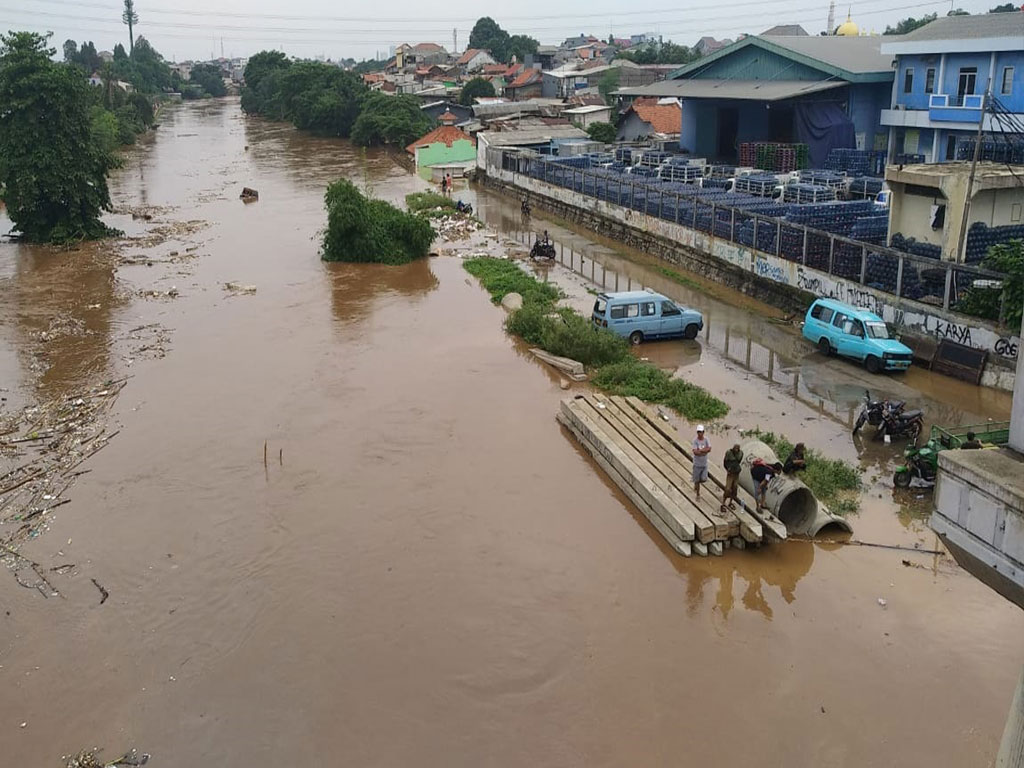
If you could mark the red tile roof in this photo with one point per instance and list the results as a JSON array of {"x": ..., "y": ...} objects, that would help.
[
  {"x": 469, "y": 54},
  {"x": 513, "y": 70},
  {"x": 448, "y": 134},
  {"x": 663, "y": 118},
  {"x": 427, "y": 47},
  {"x": 525, "y": 78},
  {"x": 494, "y": 69}
]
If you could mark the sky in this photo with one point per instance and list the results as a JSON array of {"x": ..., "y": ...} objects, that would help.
[{"x": 198, "y": 29}]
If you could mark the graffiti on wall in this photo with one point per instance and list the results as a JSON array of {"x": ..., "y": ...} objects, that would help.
[
  {"x": 840, "y": 290},
  {"x": 764, "y": 268},
  {"x": 1005, "y": 347}
]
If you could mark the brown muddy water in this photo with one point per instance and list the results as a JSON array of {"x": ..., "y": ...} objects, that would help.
[{"x": 426, "y": 571}]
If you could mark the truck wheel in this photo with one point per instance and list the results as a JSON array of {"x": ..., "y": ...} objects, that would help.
[
  {"x": 824, "y": 347},
  {"x": 873, "y": 364},
  {"x": 635, "y": 338},
  {"x": 690, "y": 331},
  {"x": 901, "y": 479}
]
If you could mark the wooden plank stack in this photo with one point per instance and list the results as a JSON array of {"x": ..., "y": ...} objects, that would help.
[{"x": 646, "y": 458}]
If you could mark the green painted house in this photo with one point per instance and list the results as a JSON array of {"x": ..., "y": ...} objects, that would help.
[{"x": 445, "y": 145}]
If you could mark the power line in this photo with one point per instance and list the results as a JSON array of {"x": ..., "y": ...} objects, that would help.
[{"x": 748, "y": 19}]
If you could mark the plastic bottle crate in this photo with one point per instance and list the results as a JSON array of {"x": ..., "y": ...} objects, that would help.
[
  {"x": 807, "y": 193},
  {"x": 761, "y": 184},
  {"x": 981, "y": 237},
  {"x": 866, "y": 187},
  {"x": 823, "y": 178}
]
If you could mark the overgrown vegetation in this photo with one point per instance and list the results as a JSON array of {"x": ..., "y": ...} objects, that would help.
[
  {"x": 488, "y": 35},
  {"x": 390, "y": 119},
  {"x": 474, "y": 89},
  {"x": 834, "y": 482},
  {"x": 362, "y": 229},
  {"x": 329, "y": 101},
  {"x": 603, "y": 132},
  {"x": 566, "y": 333},
  {"x": 988, "y": 302},
  {"x": 659, "y": 53},
  {"x": 418, "y": 202},
  {"x": 52, "y": 172}
]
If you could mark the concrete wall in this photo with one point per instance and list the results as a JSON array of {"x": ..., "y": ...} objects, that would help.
[
  {"x": 910, "y": 215},
  {"x": 998, "y": 208},
  {"x": 772, "y": 278}
]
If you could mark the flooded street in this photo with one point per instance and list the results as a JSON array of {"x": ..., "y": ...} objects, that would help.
[{"x": 340, "y": 525}]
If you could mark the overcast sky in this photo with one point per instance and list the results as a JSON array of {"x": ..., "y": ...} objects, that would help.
[{"x": 195, "y": 29}]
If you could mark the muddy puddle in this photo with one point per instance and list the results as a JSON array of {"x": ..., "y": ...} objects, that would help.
[{"x": 340, "y": 524}]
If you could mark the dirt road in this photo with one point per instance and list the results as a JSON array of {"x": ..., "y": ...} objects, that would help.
[{"x": 426, "y": 571}]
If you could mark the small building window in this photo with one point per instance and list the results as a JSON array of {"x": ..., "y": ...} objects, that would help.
[
  {"x": 929, "y": 80},
  {"x": 908, "y": 80},
  {"x": 1007, "y": 84},
  {"x": 965, "y": 83}
]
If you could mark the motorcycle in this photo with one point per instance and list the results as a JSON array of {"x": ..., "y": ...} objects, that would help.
[
  {"x": 542, "y": 249},
  {"x": 873, "y": 411},
  {"x": 465, "y": 208},
  {"x": 897, "y": 424},
  {"x": 920, "y": 462}
]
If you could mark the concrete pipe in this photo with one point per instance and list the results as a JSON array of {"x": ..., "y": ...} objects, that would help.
[{"x": 788, "y": 498}]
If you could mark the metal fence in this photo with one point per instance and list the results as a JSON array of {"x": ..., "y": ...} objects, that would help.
[{"x": 758, "y": 226}]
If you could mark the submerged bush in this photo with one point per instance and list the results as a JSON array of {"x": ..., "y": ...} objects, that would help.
[
  {"x": 569, "y": 334},
  {"x": 361, "y": 229},
  {"x": 425, "y": 201},
  {"x": 631, "y": 377},
  {"x": 501, "y": 277}
]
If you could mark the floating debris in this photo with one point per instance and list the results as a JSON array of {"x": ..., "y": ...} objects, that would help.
[{"x": 88, "y": 759}]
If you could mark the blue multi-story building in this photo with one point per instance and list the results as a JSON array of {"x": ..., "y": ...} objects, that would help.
[{"x": 943, "y": 71}]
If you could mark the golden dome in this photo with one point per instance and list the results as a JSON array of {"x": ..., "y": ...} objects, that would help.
[{"x": 848, "y": 28}]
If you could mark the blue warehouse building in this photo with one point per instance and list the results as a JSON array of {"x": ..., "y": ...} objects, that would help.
[
  {"x": 827, "y": 92},
  {"x": 943, "y": 71}
]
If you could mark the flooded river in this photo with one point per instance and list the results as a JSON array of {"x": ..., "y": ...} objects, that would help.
[{"x": 340, "y": 525}]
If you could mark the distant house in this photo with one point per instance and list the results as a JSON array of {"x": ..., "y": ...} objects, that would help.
[
  {"x": 651, "y": 118},
  {"x": 445, "y": 145},
  {"x": 526, "y": 86},
  {"x": 786, "y": 30},
  {"x": 474, "y": 59},
  {"x": 106, "y": 56},
  {"x": 419, "y": 55},
  {"x": 586, "y": 116},
  {"x": 707, "y": 45},
  {"x": 96, "y": 80}
]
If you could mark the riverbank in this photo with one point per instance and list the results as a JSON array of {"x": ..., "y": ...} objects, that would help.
[
  {"x": 789, "y": 285},
  {"x": 340, "y": 518}
]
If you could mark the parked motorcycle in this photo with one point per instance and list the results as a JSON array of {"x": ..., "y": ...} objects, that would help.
[
  {"x": 873, "y": 411},
  {"x": 920, "y": 462},
  {"x": 899, "y": 424},
  {"x": 462, "y": 207},
  {"x": 542, "y": 249}
]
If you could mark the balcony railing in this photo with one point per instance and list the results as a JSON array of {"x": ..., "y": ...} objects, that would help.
[{"x": 955, "y": 108}]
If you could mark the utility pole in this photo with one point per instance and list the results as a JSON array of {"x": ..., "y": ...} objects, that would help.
[
  {"x": 960, "y": 255},
  {"x": 455, "y": 40},
  {"x": 222, "y": 47}
]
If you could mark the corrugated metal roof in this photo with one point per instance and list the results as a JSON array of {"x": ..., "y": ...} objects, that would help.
[
  {"x": 531, "y": 135},
  {"x": 994, "y": 25},
  {"x": 750, "y": 90},
  {"x": 854, "y": 54}
]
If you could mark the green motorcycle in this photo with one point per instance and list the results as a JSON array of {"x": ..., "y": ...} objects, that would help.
[{"x": 922, "y": 462}]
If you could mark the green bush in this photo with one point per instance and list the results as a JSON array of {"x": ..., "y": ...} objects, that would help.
[
  {"x": 529, "y": 323},
  {"x": 631, "y": 377},
  {"x": 832, "y": 481},
  {"x": 501, "y": 277},
  {"x": 988, "y": 302},
  {"x": 424, "y": 201},
  {"x": 387, "y": 119},
  {"x": 574, "y": 336},
  {"x": 603, "y": 132},
  {"x": 367, "y": 230}
]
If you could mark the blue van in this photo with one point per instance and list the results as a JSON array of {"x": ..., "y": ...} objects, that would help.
[
  {"x": 642, "y": 315},
  {"x": 856, "y": 333}
]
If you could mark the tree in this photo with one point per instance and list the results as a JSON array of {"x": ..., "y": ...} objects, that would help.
[
  {"x": 119, "y": 53},
  {"x": 521, "y": 46},
  {"x": 663, "y": 53},
  {"x": 609, "y": 83},
  {"x": 488, "y": 35},
  {"x": 387, "y": 119},
  {"x": 958, "y": 12},
  {"x": 131, "y": 18},
  {"x": 70, "y": 51},
  {"x": 910, "y": 24},
  {"x": 53, "y": 174},
  {"x": 1005, "y": 8},
  {"x": 603, "y": 132},
  {"x": 260, "y": 67},
  {"x": 474, "y": 89},
  {"x": 209, "y": 78},
  {"x": 362, "y": 229},
  {"x": 145, "y": 68}
]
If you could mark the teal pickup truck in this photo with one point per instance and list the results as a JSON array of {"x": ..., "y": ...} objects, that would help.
[{"x": 841, "y": 329}]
